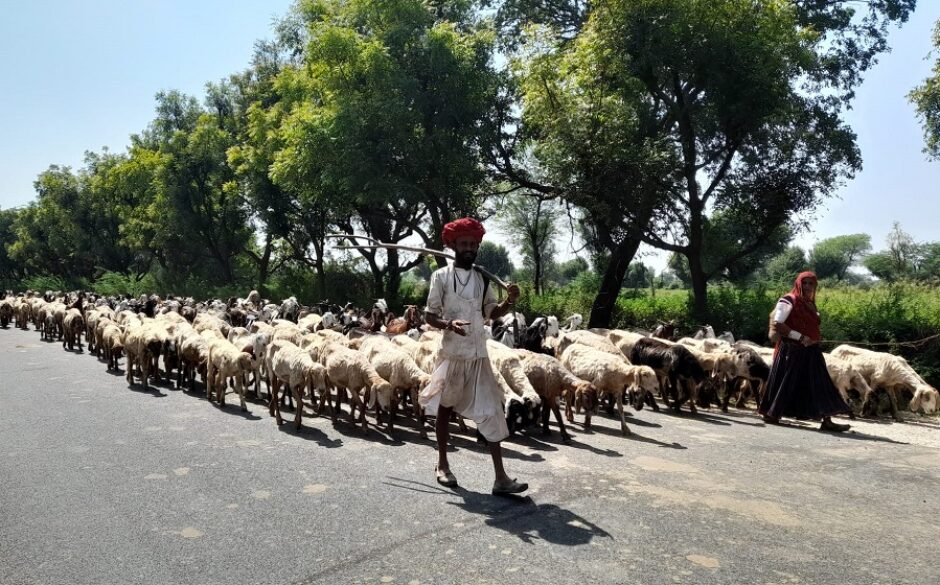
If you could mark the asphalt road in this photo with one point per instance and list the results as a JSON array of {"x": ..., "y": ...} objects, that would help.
[{"x": 101, "y": 484}]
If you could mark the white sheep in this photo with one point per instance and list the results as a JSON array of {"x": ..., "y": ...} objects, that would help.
[
  {"x": 589, "y": 339},
  {"x": 73, "y": 325},
  {"x": 610, "y": 375},
  {"x": 349, "y": 371},
  {"x": 111, "y": 342},
  {"x": 254, "y": 344},
  {"x": 294, "y": 366},
  {"x": 396, "y": 366},
  {"x": 193, "y": 351},
  {"x": 893, "y": 373},
  {"x": 552, "y": 381},
  {"x": 845, "y": 376},
  {"x": 226, "y": 362}
]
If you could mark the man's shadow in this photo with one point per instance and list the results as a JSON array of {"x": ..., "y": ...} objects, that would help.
[{"x": 518, "y": 515}]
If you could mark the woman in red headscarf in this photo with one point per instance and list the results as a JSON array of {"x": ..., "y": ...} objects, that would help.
[{"x": 799, "y": 385}]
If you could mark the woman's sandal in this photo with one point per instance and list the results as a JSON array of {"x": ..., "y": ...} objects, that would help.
[
  {"x": 512, "y": 487},
  {"x": 445, "y": 477}
]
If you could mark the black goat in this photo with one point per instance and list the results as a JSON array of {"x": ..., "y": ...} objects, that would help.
[{"x": 673, "y": 362}]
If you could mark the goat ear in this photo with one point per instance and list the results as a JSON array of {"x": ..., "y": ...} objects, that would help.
[{"x": 916, "y": 400}]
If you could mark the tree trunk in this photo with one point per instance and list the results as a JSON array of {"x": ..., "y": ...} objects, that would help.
[
  {"x": 392, "y": 278},
  {"x": 264, "y": 265},
  {"x": 606, "y": 300},
  {"x": 537, "y": 277},
  {"x": 699, "y": 287}
]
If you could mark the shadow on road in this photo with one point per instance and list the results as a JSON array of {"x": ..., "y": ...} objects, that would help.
[
  {"x": 150, "y": 391},
  {"x": 309, "y": 433},
  {"x": 518, "y": 515}
]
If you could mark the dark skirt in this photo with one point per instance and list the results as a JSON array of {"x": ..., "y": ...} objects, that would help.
[{"x": 799, "y": 385}]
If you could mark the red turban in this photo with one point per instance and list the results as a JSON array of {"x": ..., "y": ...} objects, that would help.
[
  {"x": 466, "y": 226},
  {"x": 797, "y": 291}
]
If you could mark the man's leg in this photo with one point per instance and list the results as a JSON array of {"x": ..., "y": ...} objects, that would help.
[
  {"x": 442, "y": 430},
  {"x": 503, "y": 484},
  {"x": 496, "y": 451}
]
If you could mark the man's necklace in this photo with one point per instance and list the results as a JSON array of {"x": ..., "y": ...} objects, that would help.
[{"x": 462, "y": 283}]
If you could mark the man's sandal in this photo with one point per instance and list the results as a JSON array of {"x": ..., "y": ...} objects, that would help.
[
  {"x": 510, "y": 487},
  {"x": 445, "y": 477}
]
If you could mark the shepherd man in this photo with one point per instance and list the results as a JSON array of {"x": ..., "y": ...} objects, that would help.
[{"x": 459, "y": 300}]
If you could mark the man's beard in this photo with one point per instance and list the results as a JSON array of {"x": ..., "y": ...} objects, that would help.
[{"x": 466, "y": 259}]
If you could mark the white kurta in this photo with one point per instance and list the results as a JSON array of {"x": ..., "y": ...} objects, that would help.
[{"x": 464, "y": 378}]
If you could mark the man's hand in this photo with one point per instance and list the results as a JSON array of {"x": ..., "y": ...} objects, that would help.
[
  {"x": 457, "y": 326},
  {"x": 512, "y": 292},
  {"x": 808, "y": 341}
]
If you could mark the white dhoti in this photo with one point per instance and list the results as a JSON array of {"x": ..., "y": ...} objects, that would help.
[{"x": 471, "y": 389}]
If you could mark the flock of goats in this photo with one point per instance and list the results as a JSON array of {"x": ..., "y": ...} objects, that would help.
[{"x": 325, "y": 354}]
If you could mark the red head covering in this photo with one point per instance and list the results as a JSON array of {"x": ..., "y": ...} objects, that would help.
[
  {"x": 466, "y": 226},
  {"x": 797, "y": 291}
]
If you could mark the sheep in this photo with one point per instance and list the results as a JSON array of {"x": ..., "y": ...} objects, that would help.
[
  {"x": 294, "y": 366},
  {"x": 193, "y": 351},
  {"x": 893, "y": 373},
  {"x": 552, "y": 381},
  {"x": 289, "y": 331},
  {"x": 73, "y": 324},
  {"x": 311, "y": 322},
  {"x": 624, "y": 340},
  {"x": 589, "y": 339},
  {"x": 205, "y": 321},
  {"x": 255, "y": 345},
  {"x": 397, "y": 367},
  {"x": 610, "y": 375},
  {"x": 140, "y": 346},
  {"x": 846, "y": 377},
  {"x": 507, "y": 362},
  {"x": 349, "y": 370},
  {"x": 23, "y": 314},
  {"x": 226, "y": 361},
  {"x": 91, "y": 326},
  {"x": 721, "y": 367},
  {"x": 406, "y": 343},
  {"x": 6, "y": 312},
  {"x": 111, "y": 342}
]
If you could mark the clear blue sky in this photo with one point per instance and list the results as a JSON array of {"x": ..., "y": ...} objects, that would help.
[{"x": 81, "y": 75}]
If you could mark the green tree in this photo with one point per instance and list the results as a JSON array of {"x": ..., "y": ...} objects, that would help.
[
  {"x": 51, "y": 238},
  {"x": 746, "y": 98},
  {"x": 571, "y": 269},
  {"x": 832, "y": 257},
  {"x": 591, "y": 140},
  {"x": 786, "y": 265},
  {"x": 531, "y": 223},
  {"x": 384, "y": 121},
  {"x": 10, "y": 270},
  {"x": 881, "y": 266},
  {"x": 926, "y": 100},
  {"x": 639, "y": 275},
  {"x": 196, "y": 219},
  {"x": 495, "y": 258}
]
